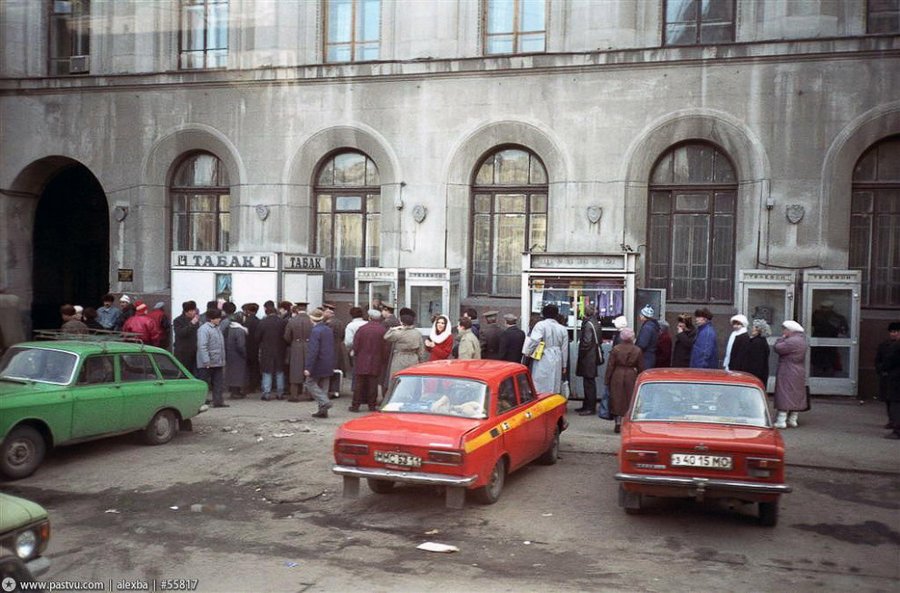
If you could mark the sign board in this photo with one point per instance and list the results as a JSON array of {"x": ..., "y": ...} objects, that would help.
[
  {"x": 303, "y": 262},
  {"x": 214, "y": 260},
  {"x": 126, "y": 275}
]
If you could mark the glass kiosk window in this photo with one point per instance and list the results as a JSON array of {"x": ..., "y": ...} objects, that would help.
[
  {"x": 607, "y": 295},
  {"x": 426, "y": 302}
]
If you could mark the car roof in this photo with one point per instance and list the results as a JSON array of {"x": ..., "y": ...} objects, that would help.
[
  {"x": 88, "y": 347},
  {"x": 483, "y": 370},
  {"x": 685, "y": 375}
]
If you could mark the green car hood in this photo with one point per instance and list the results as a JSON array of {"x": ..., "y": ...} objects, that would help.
[{"x": 16, "y": 512}]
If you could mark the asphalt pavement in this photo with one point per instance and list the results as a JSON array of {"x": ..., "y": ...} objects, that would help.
[{"x": 836, "y": 433}]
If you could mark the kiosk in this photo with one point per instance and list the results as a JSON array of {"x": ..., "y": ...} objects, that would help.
[
  {"x": 572, "y": 281},
  {"x": 204, "y": 276},
  {"x": 769, "y": 295},
  {"x": 430, "y": 291},
  {"x": 384, "y": 284},
  {"x": 831, "y": 310},
  {"x": 302, "y": 277}
]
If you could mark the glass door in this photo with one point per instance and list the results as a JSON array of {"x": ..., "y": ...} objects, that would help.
[
  {"x": 768, "y": 295},
  {"x": 831, "y": 315}
]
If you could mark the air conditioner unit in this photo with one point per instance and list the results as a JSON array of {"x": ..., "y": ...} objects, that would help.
[{"x": 79, "y": 64}]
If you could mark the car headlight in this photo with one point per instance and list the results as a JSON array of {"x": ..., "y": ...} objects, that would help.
[{"x": 26, "y": 544}]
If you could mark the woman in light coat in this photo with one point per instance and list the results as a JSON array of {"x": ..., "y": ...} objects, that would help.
[
  {"x": 407, "y": 346},
  {"x": 547, "y": 372},
  {"x": 790, "y": 378}
]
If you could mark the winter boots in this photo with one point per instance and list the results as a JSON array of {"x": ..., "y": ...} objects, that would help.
[
  {"x": 780, "y": 420},
  {"x": 792, "y": 419}
]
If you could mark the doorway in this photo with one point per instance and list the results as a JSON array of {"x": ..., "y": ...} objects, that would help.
[{"x": 71, "y": 246}]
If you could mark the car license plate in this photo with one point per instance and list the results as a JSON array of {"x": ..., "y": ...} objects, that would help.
[
  {"x": 402, "y": 459},
  {"x": 710, "y": 461}
]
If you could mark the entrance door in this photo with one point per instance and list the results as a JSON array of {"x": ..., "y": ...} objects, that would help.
[{"x": 71, "y": 246}]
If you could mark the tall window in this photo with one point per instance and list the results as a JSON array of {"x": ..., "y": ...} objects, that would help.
[
  {"x": 201, "y": 205},
  {"x": 204, "y": 34},
  {"x": 515, "y": 26},
  {"x": 875, "y": 223},
  {"x": 348, "y": 216},
  {"x": 883, "y": 16},
  {"x": 691, "y": 227},
  {"x": 509, "y": 216},
  {"x": 699, "y": 22},
  {"x": 353, "y": 30},
  {"x": 70, "y": 36}
]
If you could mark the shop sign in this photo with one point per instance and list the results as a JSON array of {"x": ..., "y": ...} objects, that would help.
[
  {"x": 311, "y": 263},
  {"x": 601, "y": 261},
  {"x": 831, "y": 276},
  {"x": 368, "y": 275},
  {"x": 223, "y": 260}
]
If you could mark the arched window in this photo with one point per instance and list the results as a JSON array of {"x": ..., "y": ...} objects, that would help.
[
  {"x": 691, "y": 226},
  {"x": 201, "y": 204},
  {"x": 875, "y": 223},
  {"x": 348, "y": 215},
  {"x": 509, "y": 216}
]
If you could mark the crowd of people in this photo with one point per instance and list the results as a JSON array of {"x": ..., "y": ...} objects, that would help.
[{"x": 295, "y": 354}]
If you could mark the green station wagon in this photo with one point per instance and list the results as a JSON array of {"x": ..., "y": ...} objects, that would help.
[{"x": 59, "y": 393}]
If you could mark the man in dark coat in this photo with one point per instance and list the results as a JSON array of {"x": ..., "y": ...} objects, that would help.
[
  {"x": 319, "y": 362},
  {"x": 887, "y": 365},
  {"x": 387, "y": 316},
  {"x": 296, "y": 334},
  {"x": 490, "y": 337},
  {"x": 185, "y": 326},
  {"x": 511, "y": 340},
  {"x": 235, "y": 335},
  {"x": 369, "y": 361},
  {"x": 341, "y": 355},
  {"x": 648, "y": 337},
  {"x": 271, "y": 351},
  {"x": 589, "y": 358},
  {"x": 251, "y": 322}
]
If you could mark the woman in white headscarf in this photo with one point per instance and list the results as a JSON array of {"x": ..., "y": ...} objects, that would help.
[
  {"x": 738, "y": 343},
  {"x": 439, "y": 342},
  {"x": 790, "y": 379}
]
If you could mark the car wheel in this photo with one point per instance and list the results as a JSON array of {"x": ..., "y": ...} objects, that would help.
[
  {"x": 380, "y": 486},
  {"x": 23, "y": 451},
  {"x": 768, "y": 514},
  {"x": 162, "y": 428},
  {"x": 490, "y": 492},
  {"x": 550, "y": 456}
]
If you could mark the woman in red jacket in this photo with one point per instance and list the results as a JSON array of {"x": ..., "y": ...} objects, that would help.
[{"x": 440, "y": 342}]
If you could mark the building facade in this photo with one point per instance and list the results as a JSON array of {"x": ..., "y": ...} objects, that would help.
[{"x": 707, "y": 137}]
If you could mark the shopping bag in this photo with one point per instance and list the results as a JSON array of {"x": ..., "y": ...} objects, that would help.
[{"x": 539, "y": 351}]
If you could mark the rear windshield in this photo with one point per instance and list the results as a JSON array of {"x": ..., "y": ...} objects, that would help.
[
  {"x": 38, "y": 364},
  {"x": 704, "y": 402},
  {"x": 444, "y": 396}
]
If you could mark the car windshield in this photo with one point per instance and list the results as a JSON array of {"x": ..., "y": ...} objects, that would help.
[
  {"x": 38, "y": 364},
  {"x": 444, "y": 396},
  {"x": 701, "y": 402}
]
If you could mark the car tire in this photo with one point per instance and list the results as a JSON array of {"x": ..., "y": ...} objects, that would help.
[
  {"x": 490, "y": 492},
  {"x": 768, "y": 514},
  {"x": 22, "y": 452},
  {"x": 380, "y": 486},
  {"x": 550, "y": 456},
  {"x": 162, "y": 428}
]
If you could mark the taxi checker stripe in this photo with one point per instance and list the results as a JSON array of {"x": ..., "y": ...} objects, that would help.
[{"x": 542, "y": 407}]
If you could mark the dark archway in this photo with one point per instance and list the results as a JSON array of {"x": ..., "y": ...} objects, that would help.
[{"x": 71, "y": 246}]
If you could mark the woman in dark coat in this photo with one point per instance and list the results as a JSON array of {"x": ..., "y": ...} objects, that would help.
[
  {"x": 684, "y": 341},
  {"x": 236, "y": 358},
  {"x": 626, "y": 362},
  {"x": 664, "y": 346},
  {"x": 757, "y": 355},
  {"x": 790, "y": 380}
]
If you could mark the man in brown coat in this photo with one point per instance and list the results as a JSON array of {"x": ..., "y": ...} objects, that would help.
[
  {"x": 296, "y": 334},
  {"x": 370, "y": 360}
]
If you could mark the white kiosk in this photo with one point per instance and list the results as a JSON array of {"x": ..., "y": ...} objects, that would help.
[
  {"x": 203, "y": 276},
  {"x": 384, "y": 284},
  {"x": 831, "y": 308},
  {"x": 769, "y": 295},
  {"x": 430, "y": 291},
  {"x": 572, "y": 281},
  {"x": 302, "y": 277}
]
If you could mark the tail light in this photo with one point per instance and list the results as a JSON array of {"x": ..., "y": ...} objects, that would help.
[
  {"x": 762, "y": 467},
  {"x": 446, "y": 457},
  {"x": 638, "y": 456},
  {"x": 353, "y": 448}
]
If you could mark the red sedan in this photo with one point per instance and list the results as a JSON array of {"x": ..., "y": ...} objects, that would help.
[
  {"x": 699, "y": 434},
  {"x": 462, "y": 424}
]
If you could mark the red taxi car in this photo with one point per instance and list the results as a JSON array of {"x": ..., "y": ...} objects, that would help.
[
  {"x": 701, "y": 433},
  {"x": 462, "y": 424}
]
